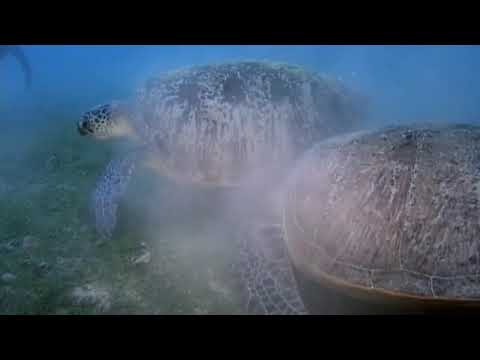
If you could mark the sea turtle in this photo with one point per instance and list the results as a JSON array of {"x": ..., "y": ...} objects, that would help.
[
  {"x": 19, "y": 54},
  {"x": 389, "y": 215},
  {"x": 218, "y": 124}
]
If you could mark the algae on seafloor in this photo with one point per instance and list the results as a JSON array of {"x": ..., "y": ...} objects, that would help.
[{"x": 48, "y": 242}]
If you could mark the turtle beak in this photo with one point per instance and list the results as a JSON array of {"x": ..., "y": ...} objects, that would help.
[{"x": 82, "y": 128}]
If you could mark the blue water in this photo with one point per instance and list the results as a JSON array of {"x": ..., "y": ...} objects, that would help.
[
  {"x": 405, "y": 83},
  {"x": 44, "y": 192}
]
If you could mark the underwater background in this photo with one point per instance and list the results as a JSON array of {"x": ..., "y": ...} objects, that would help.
[{"x": 49, "y": 260}]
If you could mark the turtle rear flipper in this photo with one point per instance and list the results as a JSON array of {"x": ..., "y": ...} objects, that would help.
[
  {"x": 19, "y": 54},
  {"x": 266, "y": 274},
  {"x": 110, "y": 188}
]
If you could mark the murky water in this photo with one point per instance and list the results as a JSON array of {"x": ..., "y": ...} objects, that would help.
[{"x": 173, "y": 249}]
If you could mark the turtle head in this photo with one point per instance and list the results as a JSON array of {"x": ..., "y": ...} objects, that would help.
[{"x": 105, "y": 121}]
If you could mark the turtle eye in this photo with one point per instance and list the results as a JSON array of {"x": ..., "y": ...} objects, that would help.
[{"x": 83, "y": 128}]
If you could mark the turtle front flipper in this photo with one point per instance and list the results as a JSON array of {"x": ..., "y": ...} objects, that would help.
[
  {"x": 110, "y": 188},
  {"x": 266, "y": 274}
]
